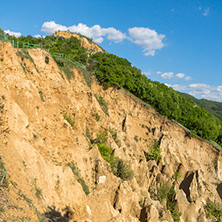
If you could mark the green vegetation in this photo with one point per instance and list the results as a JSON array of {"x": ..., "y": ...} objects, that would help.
[
  {"x": 155, "y": 152},
  {"x": 112, "y": 70},
  {"x": 47, "y": 60},
  {"x": 176, "y": 175},
  {"x": 66, "y": 66},
  {"x": 3, "y": 174},
  {"x": 41, "y": 96},
  {"x": 118, "y": 166},
  {"x": 212, "y": 106},
  {"x": 167, "y": 193},
  {"x": 71, "y": 47},
  {"x": 97, "y": 116},
  {"x": 113, "y": 133},
  {"x": 69, "y": 120},
  {"x": 38, "y": 191},
  {"x": 75, "y": 171},
  {"x": 213, "y": 209},
  {"x": 103, "y": 104},
  {"x": 24, "y": 54}
]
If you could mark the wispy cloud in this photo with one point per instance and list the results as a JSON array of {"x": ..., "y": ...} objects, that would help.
[
  {"x": 201, "y": 90},
  {"x": 206, "y": 11},
  {"x": 16, "y": 34},
  {"x": 146, "y": 38}
]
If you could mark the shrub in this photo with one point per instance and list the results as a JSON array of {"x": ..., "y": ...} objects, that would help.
[
  {"x": 176, "y": 175},
  {"x": 136, "y": 138},
  {"x": 106, "y": 152},
  {"x": 114, "y": 136},
  {"x": 214, "y": 210},
  {"x": 118, "y": 166},
  {"x": 41, "y": 96},
  {"x": 69, "y": 120},
  {"x": 121, "y": 169},
  {"x": 97, "y": 117},
  {"x": 101, "y": 138},
  {"x": 155, "y": 152},
  {"x": 47, "y": 60},
  {"x": 167, "y": 192}
]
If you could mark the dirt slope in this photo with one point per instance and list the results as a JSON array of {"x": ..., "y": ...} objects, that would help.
[
  {"x": 85, "y": 42},
  {"x": 47, "y": 159}
]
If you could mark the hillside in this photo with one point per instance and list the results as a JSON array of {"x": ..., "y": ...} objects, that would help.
[
  {"x": 70, "y": 152},
  {"x": 211, "y": 106}
]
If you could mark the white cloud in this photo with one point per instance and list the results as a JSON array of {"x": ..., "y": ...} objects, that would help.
[
  {"x": 167, "y": 75},
  {"x": 187, "y": 78},
  {"x": 16, "y": 34},
  {"x": 95, "y": 32},
  {"x": 147, "y": 73},
  {"x": 201, "y": 90},
  {"x": 170, "y": 75},
  {"x": 39, "y": 36},
  {"x": 206, "y": 11},
  {"x": 148, "y": 39},
  {"x": 180, "y": 75}
]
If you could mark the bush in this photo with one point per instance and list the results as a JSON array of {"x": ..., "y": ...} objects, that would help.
[
  {"x": 155, "y": 152},
  {"x": 214, "y": 210},
  {"x": 47, "y": 60},
  {"x": 118, "y": 166},
  {"x": 106, "y": 152},
  {"x": 69, "y": 120},
  {"x": 121, "y": 169},
  {"x": 167, "y": 192}
]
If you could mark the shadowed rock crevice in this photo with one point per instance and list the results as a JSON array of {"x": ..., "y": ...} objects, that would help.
[{"x": 185, "y": 185}]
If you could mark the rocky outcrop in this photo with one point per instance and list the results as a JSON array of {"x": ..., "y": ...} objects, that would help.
[{"x": 55, "y": 169}]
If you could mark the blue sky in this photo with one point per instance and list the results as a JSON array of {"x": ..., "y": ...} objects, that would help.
[{"x": 176, "y": 42}]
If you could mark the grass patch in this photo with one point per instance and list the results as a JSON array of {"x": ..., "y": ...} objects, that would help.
[
  {"x": 69, "y": 120},
  {"x": 166, "y": 192},
  {"x": 176, "y": 175},
  {"x": 97, "y": 116},
  {"x": 3, "y": 174},
  {"x": 102, "y": 103},
  {"x": 24, "y": 54},
  {"x": 113, "y": 133},
  {"x": 87, "y": 75},
  {"x": 155, "y": 152},
  {"x": 75, "y": 171},
  {"x": 119, "y": 167},
  {"x": 213, "y": 209},
  {"x": 66, "y": 66}
]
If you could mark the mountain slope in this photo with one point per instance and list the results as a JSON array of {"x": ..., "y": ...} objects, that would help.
[
  {"x": 212, "y": 106},
  {"x": 60, "y": 141}
]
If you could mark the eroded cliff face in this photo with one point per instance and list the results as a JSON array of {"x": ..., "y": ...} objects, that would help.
[{"x": 47, "y": 159}]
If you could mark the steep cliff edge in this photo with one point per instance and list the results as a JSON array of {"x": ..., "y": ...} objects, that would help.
[{"x": 49, "y": 127}]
